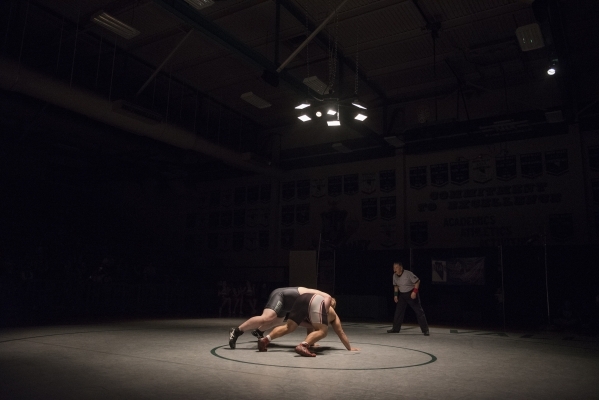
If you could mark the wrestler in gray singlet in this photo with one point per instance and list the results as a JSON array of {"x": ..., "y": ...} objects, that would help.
[{"x": 281, "y": 300}]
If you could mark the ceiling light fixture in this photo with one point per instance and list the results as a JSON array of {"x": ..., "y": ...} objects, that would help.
[
  {"x": 302, "y": 105},
  {"x": 114, "y": 25},
  {"x": 359, "y": 104},
  {"x": 318, "y": 114},
  {"x": 553, "y": 67},
  {"x": 331, "y": 112},
  {"x": 361, "y": 117},
  {"x": 335, "y": 122},
  {"x": 199, "y": 4},
  {"x": 254, "y": 100},
  {"x": 304, "y": 118}
]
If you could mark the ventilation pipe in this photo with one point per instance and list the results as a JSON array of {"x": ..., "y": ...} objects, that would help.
[{"x": 17, "y": 78}]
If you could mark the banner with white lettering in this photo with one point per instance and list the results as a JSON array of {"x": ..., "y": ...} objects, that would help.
[
  {"x": 533, "y": 189},
  {"x": 459, "y": 271}
]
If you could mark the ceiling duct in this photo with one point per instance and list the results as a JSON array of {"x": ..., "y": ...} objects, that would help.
[
  {"x": 17, "y": 78},
  {"x": 133, "y": 110}
]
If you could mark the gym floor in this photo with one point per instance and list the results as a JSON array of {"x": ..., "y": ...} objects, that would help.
[{"x": 191, "y": 358}]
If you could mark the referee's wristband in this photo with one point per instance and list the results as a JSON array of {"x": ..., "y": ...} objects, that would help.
[
  {"x": 395, "y": 294},
  {"x": 415, "y": 290}
]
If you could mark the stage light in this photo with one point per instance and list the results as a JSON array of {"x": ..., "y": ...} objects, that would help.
[{"x": 551, "y": 71}]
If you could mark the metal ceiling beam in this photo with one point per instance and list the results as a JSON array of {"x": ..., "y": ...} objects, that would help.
[
  {"x": 188, "y": 14},
  {"x": 312, "y": 36},
  {"x": 322, "y": 40},
  {"x": 19, "y": 79}
]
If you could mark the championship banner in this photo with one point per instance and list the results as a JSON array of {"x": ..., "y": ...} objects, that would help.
[
  {"x": 350, "y": 184},
  {"x": 459, "y": 271},
  {"x": 265, "y": 193},
  {"x": 319, "y": 187},
  {"x": 226, "y": 198},
  {"x": 226, "y": 219},
  {"x": 286, "y": 238},
  {"x": 239, "y": 196},
  {"x": 503, "y": 199},
  {"x": 302, "y": 213},
  {"x": 253, "y": 194},
  {"x": 239, "y": 218},
  {"x": 203, "y": 201},
  {"x": 251, "y": 241},
  {"x": 288, "y": 191},
  {"x": 237, "y": 241},
  {"x": 264, "y": 217},
  {"x": 418, "y": 177},
  {"x": 215, "y": 198},
  {"x": 264, "y": 239},
  {"x": 387, "y": 180},
  {"x": 439, "y": 174},
  {"x": 303, "y": 189},
  {"x": 368, "y": 183},
  {"x": 506, "y": 167},
  {"x": 335, "y": 186}
]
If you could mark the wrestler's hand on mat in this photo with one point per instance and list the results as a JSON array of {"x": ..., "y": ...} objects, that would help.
[{"x": 354, "y": 349}]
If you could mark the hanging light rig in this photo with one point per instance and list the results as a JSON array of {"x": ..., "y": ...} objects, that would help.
[
  {"x": 331, "y": 107},
  {"x": 360, "y": 116}
]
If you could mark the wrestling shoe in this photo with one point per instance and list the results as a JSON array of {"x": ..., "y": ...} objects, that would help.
[
  {"x": 392, "y": 331},
  {"x": 234, "y": 333},
  {"x": 262, "y": 344},
  {"x": 303, "y": 350},
  {"x": 258, "y": 333}
]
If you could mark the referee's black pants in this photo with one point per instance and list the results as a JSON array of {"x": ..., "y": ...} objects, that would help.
[{"x": 400, "y": 311}]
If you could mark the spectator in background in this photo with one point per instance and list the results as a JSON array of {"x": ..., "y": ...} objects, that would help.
[
  {"x": 250, "y": 296},
  {"x": 238, "y": 293},
  {"x": 224, "y": 293}
]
